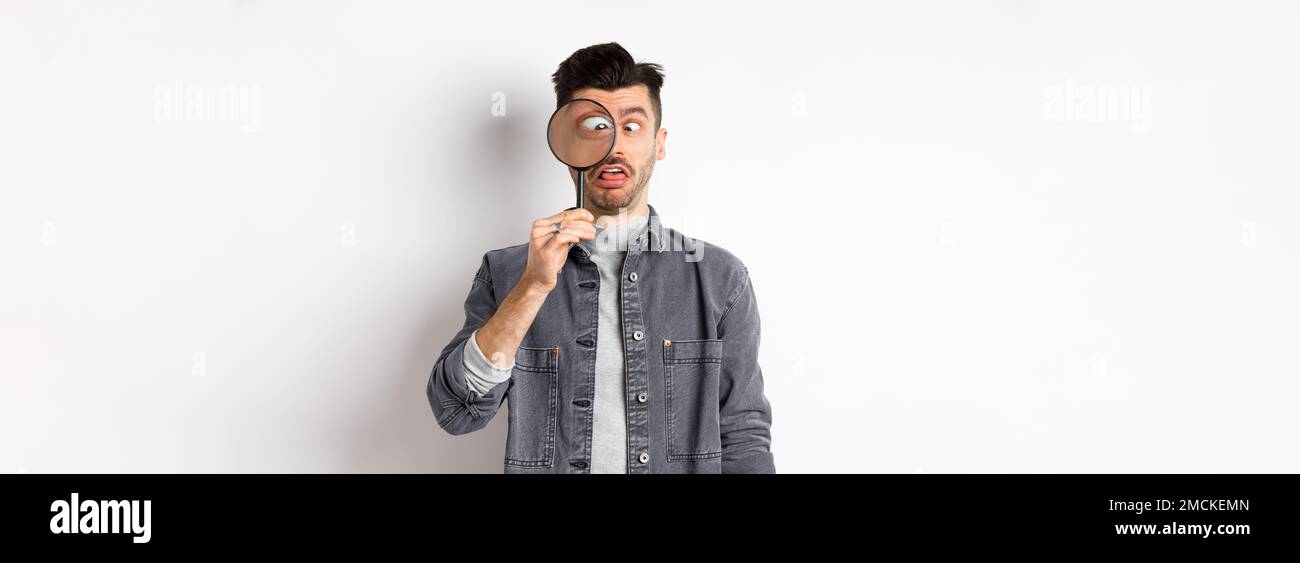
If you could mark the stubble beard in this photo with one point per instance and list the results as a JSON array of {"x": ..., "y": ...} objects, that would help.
[{"x": 611, "y": 206}]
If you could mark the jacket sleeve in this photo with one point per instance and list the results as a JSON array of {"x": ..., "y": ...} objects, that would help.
[
  {"x": 458, "y": 408},
  {"x": 745, "y": 416}
]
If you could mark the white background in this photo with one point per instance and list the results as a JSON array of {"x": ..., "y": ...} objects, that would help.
[{"x": 954, "y": 274}]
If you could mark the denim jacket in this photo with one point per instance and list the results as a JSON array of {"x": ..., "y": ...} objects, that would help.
[{"x": 694, "y": 389}]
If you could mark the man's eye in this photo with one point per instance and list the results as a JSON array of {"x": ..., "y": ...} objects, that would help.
[
  {"x": 633, "y": 127},
  {"x": 596, "y": 123}
]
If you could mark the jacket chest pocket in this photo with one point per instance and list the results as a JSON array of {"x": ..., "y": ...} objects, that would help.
[
  {"x": 691, "y": 372},
  {"x": 533, "y": 390}
]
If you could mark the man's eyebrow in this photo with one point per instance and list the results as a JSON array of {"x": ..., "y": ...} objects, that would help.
[{"x": 634, "y": 109}]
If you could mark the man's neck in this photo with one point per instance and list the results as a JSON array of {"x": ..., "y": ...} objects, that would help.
[{"x": 621, "y": 217}]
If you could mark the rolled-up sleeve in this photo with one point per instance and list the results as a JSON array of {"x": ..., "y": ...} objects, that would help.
[
  {"x": 745, "y": 414},
  {"x": 458, "y": 407},
  {"x": 480, "y": 373}
]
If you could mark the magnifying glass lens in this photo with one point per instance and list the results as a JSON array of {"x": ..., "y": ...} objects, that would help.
[{"x": 581, "y": 133}]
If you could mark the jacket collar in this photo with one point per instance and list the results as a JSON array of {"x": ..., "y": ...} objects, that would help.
[{"x": 653, "y": 237}]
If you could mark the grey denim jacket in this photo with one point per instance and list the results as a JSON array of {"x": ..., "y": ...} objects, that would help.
[{"x": 694, "y": 389}]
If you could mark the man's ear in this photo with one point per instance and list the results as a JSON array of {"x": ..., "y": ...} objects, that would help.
[{"x": 663, "y": 139}]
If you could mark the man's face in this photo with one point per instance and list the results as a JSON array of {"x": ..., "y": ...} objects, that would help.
[{"x": 636, "y": 148}]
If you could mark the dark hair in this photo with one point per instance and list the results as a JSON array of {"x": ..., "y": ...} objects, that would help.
[{"x": 607, "y": 66}]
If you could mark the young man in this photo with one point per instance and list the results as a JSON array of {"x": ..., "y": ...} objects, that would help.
[{"x": 623, "y": 346}]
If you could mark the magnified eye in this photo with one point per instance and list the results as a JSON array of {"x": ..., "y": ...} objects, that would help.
[
  {"x": 634, "y": 127},
  {"x": 596, "y": 123}
]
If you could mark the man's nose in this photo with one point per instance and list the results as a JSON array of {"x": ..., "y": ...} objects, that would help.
[{"x": 617, "y": 151}]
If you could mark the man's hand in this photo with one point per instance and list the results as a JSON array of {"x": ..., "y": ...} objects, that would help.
[
  {"x": 547, "y": 249},
  {"x": 500, "y": 336}
]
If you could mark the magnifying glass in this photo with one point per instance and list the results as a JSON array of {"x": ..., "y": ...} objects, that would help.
[{"x": 581, "y": 134}]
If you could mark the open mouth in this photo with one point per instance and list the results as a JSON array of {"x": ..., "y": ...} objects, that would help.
[{"x": 611, "y": 177}]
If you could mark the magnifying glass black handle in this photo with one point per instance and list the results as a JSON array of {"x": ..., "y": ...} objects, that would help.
[
  {"x": 582, "y": 174},
  {"x": 582, "y": 185}
]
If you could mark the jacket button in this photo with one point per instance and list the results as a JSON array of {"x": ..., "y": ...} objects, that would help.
[
  {"x": 638, "y": 335},
  {"x": 632, "y": 276},
  {"x": 641, "y": 396},
  {"x": 644, "y": 457}
]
